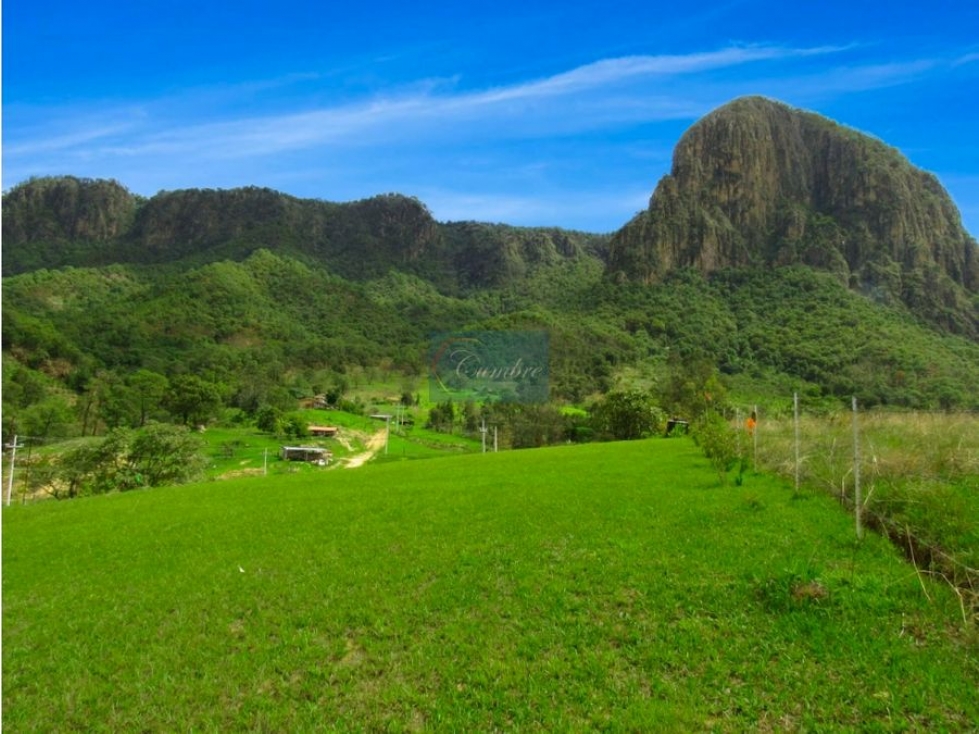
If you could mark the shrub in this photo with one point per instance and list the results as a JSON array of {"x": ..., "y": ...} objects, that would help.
[{"x": 719, "y": 443}]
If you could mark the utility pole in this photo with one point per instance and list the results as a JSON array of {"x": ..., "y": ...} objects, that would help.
[
  {"x": 482, "y": 430},
  {"x": 13, "y": 446}
]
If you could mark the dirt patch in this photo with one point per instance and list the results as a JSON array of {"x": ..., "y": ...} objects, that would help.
[
  {"x": 235, "y": 473},
  {"x": 374, "y": 444}
]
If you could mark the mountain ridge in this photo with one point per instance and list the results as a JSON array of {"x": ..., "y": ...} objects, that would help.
[
  {"x": 755, "y": 183},
  {"x": 67, "y": 221}
]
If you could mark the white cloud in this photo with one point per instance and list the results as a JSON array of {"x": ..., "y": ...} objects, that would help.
[
  {"x": 419, "y": 110},
  {"x": 876, "y": 76},
  {"x": 81, "y": 133},
  {"x": 613, "y": 71}
]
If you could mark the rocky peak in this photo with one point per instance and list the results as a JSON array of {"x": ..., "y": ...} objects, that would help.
[{"x": 758, "y": 183}]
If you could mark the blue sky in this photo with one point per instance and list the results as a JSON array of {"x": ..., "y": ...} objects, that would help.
[{"x": 519, "y": 112}]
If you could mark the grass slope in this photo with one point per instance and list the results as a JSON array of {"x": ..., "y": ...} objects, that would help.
[{"x": 606, "y": 586}]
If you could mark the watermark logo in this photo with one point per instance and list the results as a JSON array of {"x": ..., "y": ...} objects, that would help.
[{"x": 489, "y": 366}]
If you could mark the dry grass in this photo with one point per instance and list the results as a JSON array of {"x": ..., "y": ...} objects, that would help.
[
  {"x": 933, "y": 446},
  {"x": 919, "y": 479}
]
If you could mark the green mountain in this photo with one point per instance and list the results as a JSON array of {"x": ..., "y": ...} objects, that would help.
[
  {"x": 59, "y": 222},
  {"x": 783, "y": 251},
  {"x": 759, "y": 184}
]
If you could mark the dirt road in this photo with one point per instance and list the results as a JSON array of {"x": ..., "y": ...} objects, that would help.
[{"x": 374, "y": 444}]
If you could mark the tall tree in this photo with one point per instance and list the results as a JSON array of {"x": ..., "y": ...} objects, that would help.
[
  {"x": 148, "y": 390},
  {"x": 192, "y": 399},
  {"x": 49, "y": 418}
]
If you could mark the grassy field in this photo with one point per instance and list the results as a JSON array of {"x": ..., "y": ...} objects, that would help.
[{"x": 613, "y": 587}]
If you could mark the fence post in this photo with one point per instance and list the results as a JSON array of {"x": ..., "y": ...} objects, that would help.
[
  {"x": 739, "y": 427},
  {"x": 795, "y": 410},
  {"x": 856, "y": 469}
]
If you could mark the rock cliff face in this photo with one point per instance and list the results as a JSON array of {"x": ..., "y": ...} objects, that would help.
[
  {"x": 46, "y": 217},
  {"x": 757, "y": 183}
]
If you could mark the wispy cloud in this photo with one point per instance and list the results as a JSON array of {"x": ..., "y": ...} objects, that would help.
[
  {"x": 876, "y": 76},
  {"x": 202, "y": 140},
  {"x": 422, "y": 108},
  {"x": 72, "y": 139},
  {"x": 615, "y": 71},
  {"x": 807, "y": 87}
]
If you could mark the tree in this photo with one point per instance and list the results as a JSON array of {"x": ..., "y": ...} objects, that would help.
[
  {"x": 50, "y": 417},
  {"x": 21, "y": 386},
  {"x": 114, "y": 401},
  {"x": 162, "y": 454},
  {"x": 718, "y": 440},
  {"x": 148, "y": 390},
  {"x": 156, "y": 455},
  {"x": 441, "y": 417},
  {"x": 192, "y": 399},
  {"x": 295, "y": 426},
  {"x": 335, "y": 392},
  {"x": 691, "y": 388},
  {"x": 536, "y": 425},
  {"x": 268, "y": 419},
  {"x": 624, "y": 415},
  {"x": 95, "y": 467},
  {"x": 470, "y": 417}
]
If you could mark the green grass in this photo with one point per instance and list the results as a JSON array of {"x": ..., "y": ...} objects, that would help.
[
  {"x": 239, "y": 451},
  {"x": 611, "y": 586},
  {"x": 421, "y": 444}
]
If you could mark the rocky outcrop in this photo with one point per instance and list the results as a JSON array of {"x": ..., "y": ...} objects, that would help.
[
  {"x": 45, "y": 218},
  {"x": 757, "y": 183},
  {"x": 177, "y": 224}
]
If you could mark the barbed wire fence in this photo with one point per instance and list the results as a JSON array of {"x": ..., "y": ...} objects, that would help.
[{"x": 909, "y": 476}]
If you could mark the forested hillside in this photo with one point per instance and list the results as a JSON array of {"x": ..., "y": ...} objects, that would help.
[
  {"x": 65, "y": 221},
  {"x": 79, "y": 343}
]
